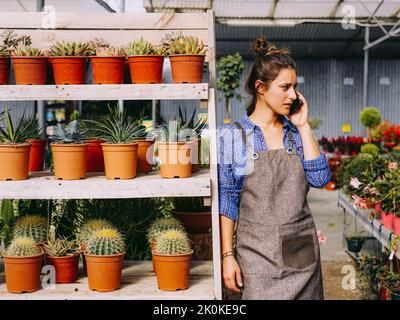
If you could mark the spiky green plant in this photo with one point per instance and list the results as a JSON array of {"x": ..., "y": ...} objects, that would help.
[
  {"x": 116, "y": 128},
  {"x": 70, "y": 133},
  {"x": 23, "y": 50},
  {"x": 70, "y": 49},
  {"x": 60, "y": 247},
  {"x": 98, "y": 43},
  {"x": 33, "y": 127},
  {"x": 89, "y": 227},
  {"x": 174, "y": 131},
  {"x": 106, "y": 241},
  {"x": 169, "y": 38},
  {"x": 141, "y": 47},
  {"x": 160, "y": 225},
  {"x": 31, "y": 226},
  {"x": 197, "y": 127},
  {"x": 23, "y": 247},
  {"x": 187, "y": 45},
  {"x": 10, "y": 40},
  {"x": 15, "y": 134},
  {"x": 4, "y": 51},
  {"x": 173, "y": 242},
  {"x": 110, "y": 52}
]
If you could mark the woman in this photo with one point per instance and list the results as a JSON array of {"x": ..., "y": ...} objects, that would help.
[{"x": 267, "y": 162}]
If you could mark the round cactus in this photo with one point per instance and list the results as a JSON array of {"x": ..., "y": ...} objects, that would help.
[
  {"x": 106, "y": 241},
  {"x": 32, "y": 226},
  {"x": 89, "y": 227},
  {"x": 370, "y": 148},
  {"x": 23, "y": 247},
  {"x": 160, "y": 225},
  {"x": 173, "y": 242}
]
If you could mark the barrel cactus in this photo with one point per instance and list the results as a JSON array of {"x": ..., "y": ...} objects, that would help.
[
  {"x": 32, "y": 226},
  {"x": 160, "y": 225},
  {"x": 89, "y": 227},
  {"x": 106, "y": 241},
  {"x": 173, "y": 242},
  {"x": 23, "y": 247}
]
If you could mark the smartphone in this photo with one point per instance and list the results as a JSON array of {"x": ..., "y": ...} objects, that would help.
[{"x": 296, "y": 105}]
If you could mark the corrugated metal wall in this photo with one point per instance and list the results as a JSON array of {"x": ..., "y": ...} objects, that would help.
[{"x": 327, "y": 96}]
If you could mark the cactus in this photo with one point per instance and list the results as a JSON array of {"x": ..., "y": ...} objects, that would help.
[
  {"x": 23, "y": 50},
  {"x": 31, "y": 226},
  {"x": 160, "y": 225},
  {"x": 106, "y": 241},
  {"x": 141, "y": 47},
  {"x": 110, "y": 52},
  {"x": 187, "y": 45},
  {"x": 173, "y": 242},
  {"x": 70, "y": 49},
  {"x": 60, "y": 247},
  {"x": 23, "y": 247},
  {"x": 89, "y": 227}
]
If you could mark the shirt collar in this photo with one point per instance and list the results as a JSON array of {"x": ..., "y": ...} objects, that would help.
[{"x": 249, "y": 125}]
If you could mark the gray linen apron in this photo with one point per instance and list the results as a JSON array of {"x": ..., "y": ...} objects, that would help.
[{"x": 277, "y": 244}]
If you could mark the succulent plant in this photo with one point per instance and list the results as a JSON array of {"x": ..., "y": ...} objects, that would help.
[
  {"x": 160, "y": 225},
  {"x": 60, "y": 247},
  {"x": 23, "y": 50},
  {"x": 4, "y": 51},
  {"x": 32, "y": 226},
  {"x": 141, "y": 47},
  {"x": 33, "y": 127},
  {"x": 110, "y": 52},
  {"x": 173, "y": 242},
  {"x": 70, "y": 49},
  {"x": 10, "y": 41},
  {"x": 174, "y": 131},
  {"x": 106, "y": 241},
  {"x": 23, "y": 247},
  {"x": 187, "y": 45},
  {"x": 90, "y": 226},
  {"x": 169, "y": 38},
  {"x": 70, "y": 133}
]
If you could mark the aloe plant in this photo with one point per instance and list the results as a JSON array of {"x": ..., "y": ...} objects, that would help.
[
  {"x": 15, "y": 134},
  {"x": 197, "y": 127},
  {"x": 70, "y": 133},
  {"x": 10, "y": 40},
  {"x": 70, "y": 49},
  {"x": 187, "y": 45},
  {"x": 142, "y": 47},
  {"x": 23, "y": 50},
  {"x": 115, "y": 127},
  {"x": 60, "y": 247},
  {"x": 33, "y": 127}
]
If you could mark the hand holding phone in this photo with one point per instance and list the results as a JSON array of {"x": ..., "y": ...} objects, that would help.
[{"x": 296, "y": 105}]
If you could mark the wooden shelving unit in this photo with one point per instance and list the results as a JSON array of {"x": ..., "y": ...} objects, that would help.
[{"x": 120, "y": 29}]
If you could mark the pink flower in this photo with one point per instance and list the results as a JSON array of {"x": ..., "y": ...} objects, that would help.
[
  {"x": 392, "y": 165},
  {"x": 355, "y": 183},
  {"x": 359, "y": 202},
  {"x": 321, "y": 239}
]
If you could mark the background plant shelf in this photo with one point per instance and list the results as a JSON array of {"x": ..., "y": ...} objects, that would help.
[
  {"x": 382, "y": 234},
  {"x": 43, "y": 185}
]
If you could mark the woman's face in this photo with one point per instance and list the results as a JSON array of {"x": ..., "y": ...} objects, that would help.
[{"x": 280, "y": 93}]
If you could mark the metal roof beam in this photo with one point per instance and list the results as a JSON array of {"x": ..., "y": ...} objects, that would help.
[
  {"x": 273, "y": 8},
  {"x": 335, "y": 8}
]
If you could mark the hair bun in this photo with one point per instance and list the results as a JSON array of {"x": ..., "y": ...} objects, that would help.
[{"x": 262, "y": 48}]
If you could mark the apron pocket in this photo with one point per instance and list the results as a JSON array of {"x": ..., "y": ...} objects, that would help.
[{"x": 298, "y": 252}]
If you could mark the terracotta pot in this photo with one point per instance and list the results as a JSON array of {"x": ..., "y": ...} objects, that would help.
[
  {"x": 175, "y": 159},
  {"x": 396, "y": 224},
  {"x": 36, "y": 155},
  {"x": 387, "y": 220},
  {"x": 23, "y": 273},
  {"x": 108, "y": 70},
  {"x": 69, "y": 160},
  {"x": 145, "y": 155},
  {"x": 14, "y": 160},
  {"x": 195, "y": 222},
  {"x": 120, "y": 160},
  {"x": 195, "y": 155},
  {"x": 172, "y": 271},
  {"x": 95, "y": 159},
  {"x": 68, "y": 70},
  {"x": 30, "y": 70},
  {"x": 153, "y": 246},
  {"x": 4, "y": 70},
  {"x": 66, "y": 267},
  {"x": 104, "y": 272},
  {"x": 187, "y": 68},
  {"x": 146, "y": 69}
]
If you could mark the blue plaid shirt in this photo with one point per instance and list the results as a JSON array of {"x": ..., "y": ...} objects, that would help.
[{"x": 232, "y": 161}]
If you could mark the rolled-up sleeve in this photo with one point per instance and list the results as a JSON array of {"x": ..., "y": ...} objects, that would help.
[
  {"x": 317, "y": 170},
  {"x": 227, "y": 182}
]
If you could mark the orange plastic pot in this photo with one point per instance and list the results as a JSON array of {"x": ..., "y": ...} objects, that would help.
[
  {"x": 145, "y": 155},
  {"x": 195, "y": 153},
  {"x": 174, "y": 159},
  {"x": 120, "y": 160},
  {"x": 187, "y": 68},
  {"x": 108, "y": 70},
  {"x": 195, "y": 222},
  {"x": 36, "y": 155},
  {"x": 146, "y": 69},
  {"x": 95, "y": 159},
  {"x": 66, "y": 267},
  {"x": 4, "y": 70},
  {"x": 23, "y": 273},
  {"x": 172, "y": 271},
  {"x": 30, "y": 70},
  {"x": 14, "y": 161},
  {"x": 104, "y": 272},
  {"x": 69, "y": 161},
  {"x": 68, "y": 70}
]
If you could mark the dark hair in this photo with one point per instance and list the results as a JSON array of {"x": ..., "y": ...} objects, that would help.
[{"x": 268, "y": 63}]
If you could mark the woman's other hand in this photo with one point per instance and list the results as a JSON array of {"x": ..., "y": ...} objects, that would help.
[{"x": 231, "y": 274}]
